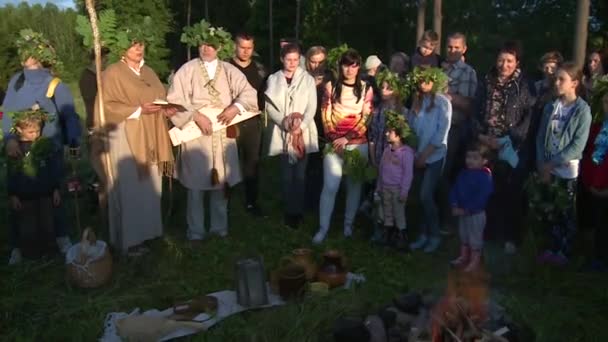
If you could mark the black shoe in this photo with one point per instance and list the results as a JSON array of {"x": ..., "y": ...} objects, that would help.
[
  {"x": 255, "y": 211},
  {"x": 400, "y": 241}
]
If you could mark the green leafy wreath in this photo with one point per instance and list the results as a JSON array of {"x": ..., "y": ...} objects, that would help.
[
  {"x": 33, "y": 44},
  {"x": 202, "y": 32},
  {"x": 395, "y": 83},
  {"x": 116, "y": 39},
  {"x": 423, "y": 75},
  {"x": 333, "y": 58},
  {"x": 397, "y": 122},
  {"x": 355, "y": 166}
]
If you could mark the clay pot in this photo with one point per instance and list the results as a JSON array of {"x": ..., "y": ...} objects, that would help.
[
  {"x": 304, "y": 258},
  {"x": 332, "y": 271},
  {"x": 292, "y": 279}
]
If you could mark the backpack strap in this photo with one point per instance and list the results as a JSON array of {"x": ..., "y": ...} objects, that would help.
[{"x": 50, "y": 92}]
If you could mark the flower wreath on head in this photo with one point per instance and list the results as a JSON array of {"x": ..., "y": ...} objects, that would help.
[
  {"x": 33, "y": 44},
  {"x": 395, "y": 83},
  {"x": 40, "y": 150},
  {"x": 116, "y": 39},
  {"x": 333, "y": 58},
  {"x": 422, "y": 75},
  {"x": 203, "y": 33},
  {"x": 397, "y": 122}
]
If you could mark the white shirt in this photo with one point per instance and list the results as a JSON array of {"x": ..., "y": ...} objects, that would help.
[{"x": 137, "y": 72}]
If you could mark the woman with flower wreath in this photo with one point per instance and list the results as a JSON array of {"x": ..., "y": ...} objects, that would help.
[
  {"x": 138, "y": 141},
  {"x": 430, "y": 118},
  {"x": 209, "y": 164},
  {"x": 346, "y": 108},
  {"x": 37, "y": 86}
]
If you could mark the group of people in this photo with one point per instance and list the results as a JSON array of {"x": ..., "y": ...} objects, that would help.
[{"x": 427, "y": 127}]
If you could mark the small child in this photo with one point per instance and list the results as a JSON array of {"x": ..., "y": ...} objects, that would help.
[
  {"x": 468, "y": 199},
  {"x": 395, "y": 177},
  {"x": 33, "y": 181},
  {"x": 425, "y": 55}
]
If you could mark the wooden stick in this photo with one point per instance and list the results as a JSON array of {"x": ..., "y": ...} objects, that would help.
[
  {"x": 90, "y": 4},
  {"x": 445, "y": 326},
  {"x": 472, "y": 325}
]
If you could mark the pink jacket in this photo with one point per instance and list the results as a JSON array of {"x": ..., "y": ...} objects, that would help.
[{"x": 396, "y": 169}]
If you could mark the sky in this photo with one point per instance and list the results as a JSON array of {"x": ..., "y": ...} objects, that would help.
[{"x": 59, "y": 3}]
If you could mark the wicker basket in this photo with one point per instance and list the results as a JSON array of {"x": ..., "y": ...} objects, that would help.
[{"x": 94, "y": 273}]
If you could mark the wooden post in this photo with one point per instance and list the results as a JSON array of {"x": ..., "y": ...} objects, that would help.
[
  {"x": 580, "y": 32},
  {"x": 420, "y": 20},
  {"x": 437, "y": 19},
  {"x": 109, "y": 181},
  {"x": 188, "y": 16}
]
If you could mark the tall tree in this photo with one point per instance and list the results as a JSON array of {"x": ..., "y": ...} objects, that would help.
[
  {"x": 437, "y": 19},
  {"x": 581, "y": 32},
  {"x": 420, "y": 19}
]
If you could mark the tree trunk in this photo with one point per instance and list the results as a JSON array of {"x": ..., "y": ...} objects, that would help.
[
  {"x": 580, "y": 32},
  {"x": 188, "y": 16},
  {"x": 271, "y": 40},
  {"x": 420, "y": 20},
  {"x": 298, "y": 8},
  {"x": 207, "y": 10},
  {"x": 437, "y": 19}
]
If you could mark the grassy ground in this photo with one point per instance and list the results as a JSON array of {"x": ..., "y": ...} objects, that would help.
[{"x": 37, "y": 304}]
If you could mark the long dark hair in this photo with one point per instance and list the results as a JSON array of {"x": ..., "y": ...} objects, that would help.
[{"x": 349, "y": 57}]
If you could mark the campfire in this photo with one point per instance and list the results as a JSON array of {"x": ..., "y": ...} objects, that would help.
[{"x": 463, "y": 313}]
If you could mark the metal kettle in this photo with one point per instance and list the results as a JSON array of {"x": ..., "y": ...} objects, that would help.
[{"x": 250, "y": 278}]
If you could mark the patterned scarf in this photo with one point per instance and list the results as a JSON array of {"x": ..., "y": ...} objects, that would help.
[
  {"x": 601, "y": 145},
  {"x": 217, "y": 138}
]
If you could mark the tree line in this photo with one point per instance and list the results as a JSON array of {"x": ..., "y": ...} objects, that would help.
[{"x": 372, "y": 27}]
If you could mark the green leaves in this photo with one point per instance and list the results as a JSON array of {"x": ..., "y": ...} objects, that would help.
[
  {"x": 425, "y": 75},
  {"x": 547, "y": 202},
  {"x": 40, "y": 151},
  {"x": 397, "y": 122},
  {"x": 355, "y": 166},
  {"x": 202, "y": 32},
  {"x": 35, "y": 45},
  {"x": 394, "y": 82},
  {"x": 600, "y": 89},
  {"x": 116, "y": 39},
  {"x": 333, "y": 58}
]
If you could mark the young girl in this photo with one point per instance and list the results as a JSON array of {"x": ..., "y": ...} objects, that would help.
[
  {"x": 395, "y": 177},
  {"x": 392, "y": 91},
  {"x": 468, "y": 199},
  {"x": 430, "y": 118},
  {"x": 33, "y": 181},
  {"x": 561, "y": 138},
  {"x": 347, "y": 105},
  {"x": 594, "y": 174}
]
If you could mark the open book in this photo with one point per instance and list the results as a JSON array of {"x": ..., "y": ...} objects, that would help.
[
  {"x": 166, "y": 104},
  {"x": 191, "y": 131}
]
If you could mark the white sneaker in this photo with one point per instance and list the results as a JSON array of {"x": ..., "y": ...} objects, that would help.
[
  {"x": 510, "y": 248},
  {"x": 319, "y": 237},
  {"x": 15, "y": 257},
  {"x": 64, "y": 244}
]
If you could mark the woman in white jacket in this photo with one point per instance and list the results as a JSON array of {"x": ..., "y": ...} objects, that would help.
[{"x": 291, "y": 104}]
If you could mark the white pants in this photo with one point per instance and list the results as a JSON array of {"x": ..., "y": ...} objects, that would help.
[
  {"x": 218, "y": 206},
  {"x": 332, "y": 175}
]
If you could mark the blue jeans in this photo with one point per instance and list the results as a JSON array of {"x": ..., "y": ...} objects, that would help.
[
  {"x": 332, "y": 175},
  {"x": 293, "y": 184},
  {"x": 430, "y": 180}
]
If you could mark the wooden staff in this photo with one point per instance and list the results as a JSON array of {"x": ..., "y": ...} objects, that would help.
[{"x": 109, "y": 181}]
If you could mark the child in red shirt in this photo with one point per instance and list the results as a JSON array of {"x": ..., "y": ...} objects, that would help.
[{"x": 594, "y": 176}]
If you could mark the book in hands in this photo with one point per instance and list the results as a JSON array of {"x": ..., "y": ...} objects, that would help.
[
  {"x": 166, "y": 105},
  {"x": 191, "y": 131}
]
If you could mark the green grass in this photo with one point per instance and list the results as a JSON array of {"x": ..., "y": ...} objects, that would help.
[{"x": 37, "y": 304}]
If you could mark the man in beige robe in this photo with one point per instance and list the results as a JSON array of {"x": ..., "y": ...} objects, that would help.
[{"x": 209, "y": 163}]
